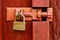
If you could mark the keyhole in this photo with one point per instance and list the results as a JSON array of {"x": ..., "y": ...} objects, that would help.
[{"x": 44, "y": 18}]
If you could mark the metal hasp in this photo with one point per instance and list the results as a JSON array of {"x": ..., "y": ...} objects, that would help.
[
  {"x": 30, "y": 13},
  {"x": 47, "y": 14},
  {"x": 40, "y": 3}
]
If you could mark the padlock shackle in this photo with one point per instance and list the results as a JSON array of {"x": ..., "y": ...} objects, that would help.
[{"x": 20, "y": 13}]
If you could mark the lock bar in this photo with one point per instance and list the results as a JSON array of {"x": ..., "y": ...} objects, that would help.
[{"x": 30, "y": 14}]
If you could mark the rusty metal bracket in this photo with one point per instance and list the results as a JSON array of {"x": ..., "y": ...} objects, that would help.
[{"x": 30, "y": 14}]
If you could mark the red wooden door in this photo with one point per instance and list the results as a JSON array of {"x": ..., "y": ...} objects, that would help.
[{"x": 7, "y": 30}]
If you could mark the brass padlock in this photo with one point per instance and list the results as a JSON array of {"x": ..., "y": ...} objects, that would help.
[{"x": 18, "y": 24}]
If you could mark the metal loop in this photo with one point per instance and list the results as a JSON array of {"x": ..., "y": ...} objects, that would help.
[{"x": 20, "y": 13}]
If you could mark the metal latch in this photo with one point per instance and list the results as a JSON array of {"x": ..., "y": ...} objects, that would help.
[
  {"x": 46, "y": 16},
  {"x": 30, "y": 14}
]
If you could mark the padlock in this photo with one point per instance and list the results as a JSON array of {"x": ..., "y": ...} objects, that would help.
[{"x": 18, "y": 24}]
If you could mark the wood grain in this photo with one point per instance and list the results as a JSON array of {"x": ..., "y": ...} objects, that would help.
[
  {"x": 9, "y": 34},
  {"x": 40, "y": 3},
  {"x": 40, "y": 30},
  {"x": 55, "y": 27},
  {"x": 0, "y": 22}
]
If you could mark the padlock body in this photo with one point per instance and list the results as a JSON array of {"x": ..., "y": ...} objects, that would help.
[{"x": 18, "y": 25}]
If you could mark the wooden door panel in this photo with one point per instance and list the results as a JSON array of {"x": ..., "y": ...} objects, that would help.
[
  {"x": 40, "y": 30},
  {"x": 55, "y": 26},
  {"x": 40, "y": 3},
  {"x": 8, "y": 32},
  {"x": 7, "y": 26},
  {"x": 0, "y": 21}
]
